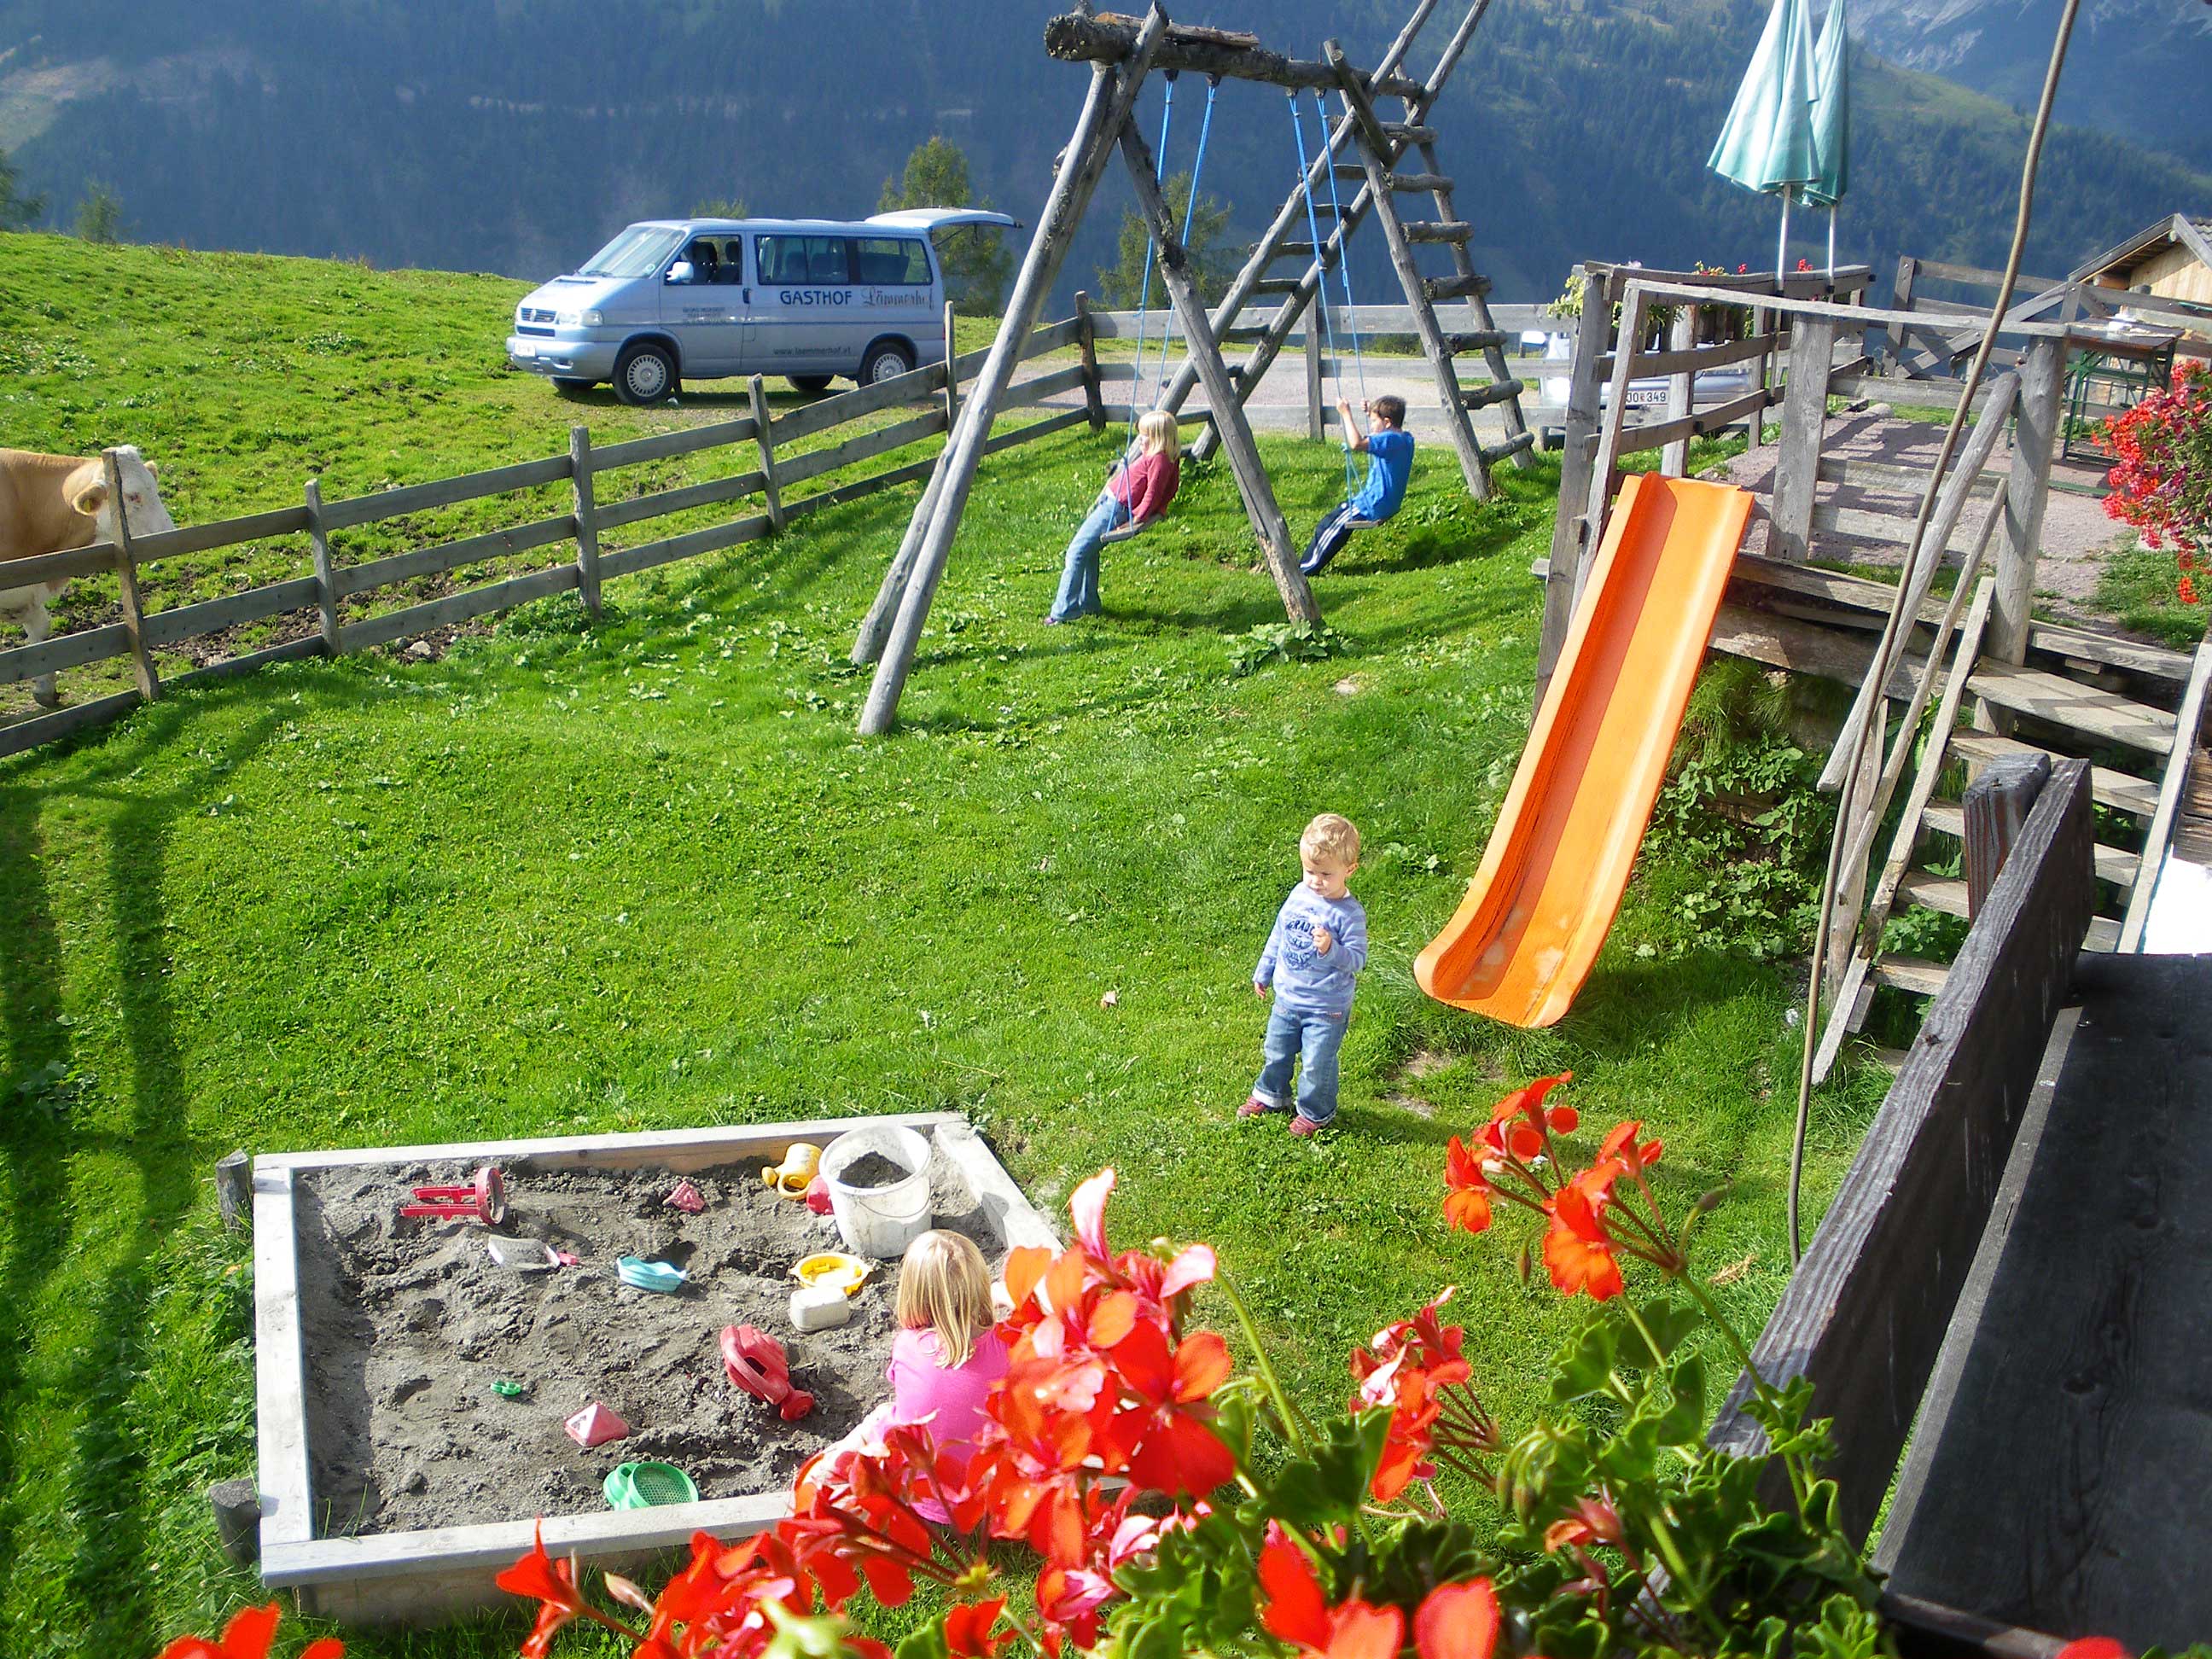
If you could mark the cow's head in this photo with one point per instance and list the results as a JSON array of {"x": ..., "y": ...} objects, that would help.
[{"x": 88, "y": 493}]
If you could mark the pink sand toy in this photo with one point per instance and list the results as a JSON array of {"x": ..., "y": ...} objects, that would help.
[
  {"x": 685, "y": 1197},
  {"x": 755, "y": 1363},
  {"x": 483, "y": 1200},
  {"x": 595, "y": 1425}
]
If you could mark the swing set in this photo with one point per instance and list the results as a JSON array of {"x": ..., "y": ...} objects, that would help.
[{"x": 1122, "y": 52}]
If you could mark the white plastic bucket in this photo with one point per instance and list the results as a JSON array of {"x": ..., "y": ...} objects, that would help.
[{"x": 879, "y": 1221}]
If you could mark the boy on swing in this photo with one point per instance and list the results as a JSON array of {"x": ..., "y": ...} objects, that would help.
[{"x": 1390, "y": 451}]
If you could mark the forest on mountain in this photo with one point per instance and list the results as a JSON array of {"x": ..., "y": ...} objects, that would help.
[{"x": 515, "y": 135}]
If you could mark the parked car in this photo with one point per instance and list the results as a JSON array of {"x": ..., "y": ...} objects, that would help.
[
  {"x": 1709, "y": 385},
  {"x": 671, "y": 300}
]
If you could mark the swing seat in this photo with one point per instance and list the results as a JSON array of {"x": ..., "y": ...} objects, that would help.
[{"x": 1126, "y": 532}]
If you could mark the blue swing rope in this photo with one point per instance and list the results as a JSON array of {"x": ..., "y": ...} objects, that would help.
[
  {"x": 1343, "y": 254},
  {"x": 1190, "y": 215},
  {"x": 1151, "y": 248},
  {"x": 1313, "y": 230}
]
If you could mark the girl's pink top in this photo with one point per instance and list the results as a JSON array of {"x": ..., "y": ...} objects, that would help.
[
  {"x": 1146, "y": 486},
  {"x": 951, "y": 1398}
]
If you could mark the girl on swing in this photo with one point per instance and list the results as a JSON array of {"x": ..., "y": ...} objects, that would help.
[{"x": 1138, "y": 491}]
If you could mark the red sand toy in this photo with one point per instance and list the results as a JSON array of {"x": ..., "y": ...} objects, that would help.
[
  {"x": 595, "y": 1425},
  {"x": 755, "y": 1363},
  {"x": 483, "y": 1200},
  {"x": 685, "y": 1197}
]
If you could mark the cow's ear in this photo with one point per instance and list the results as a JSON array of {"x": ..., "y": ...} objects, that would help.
[{"x": 90, "y": 497}]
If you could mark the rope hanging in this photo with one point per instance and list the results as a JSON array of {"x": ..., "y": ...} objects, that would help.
[
  {"x": 1343, "y": 252},
  {"x": 1189, "y": 214},
  {"x": 1321, "y": 286},
  {"x": 1151, "y": 247}
]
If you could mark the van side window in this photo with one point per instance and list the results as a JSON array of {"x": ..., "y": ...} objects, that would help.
[
  {"x": 731, "y": 270},
  {"x": 890, "y": 262},
  {"x": 817, "y": 261}
]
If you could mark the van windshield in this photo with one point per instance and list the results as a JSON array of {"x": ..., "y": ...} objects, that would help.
[{"x": 638, "y": 252}]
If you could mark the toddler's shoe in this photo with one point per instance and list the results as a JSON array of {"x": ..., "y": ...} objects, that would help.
[
  {"x": 1304, "y": 1127},
  {"x": 1254, "y": 1107}
]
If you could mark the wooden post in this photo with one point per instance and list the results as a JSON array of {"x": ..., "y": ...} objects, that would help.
[
  {"x": 1997, "y": 804},
  {"x": 1635, "y": 312},
  {"x": 1086, "y": 341},
  {"x": 953, "y": 378},
  {"x": 237, "y": 1506},
  {"x": 1316, "y": 418},
  {"x": 2035, "y": 436},
  {"x": 326, "y": 590},
  {"x": 1682, "y": 389},
  {"x": 1860, "y": 801},
  {"x": 937, "y": 519},
  {"x": 1229, "y": 416},
  {"x": 233, "y": 1191},
  {"x": 1375, "y": 151},
  {"x": 584, "y": 503},
  {"x": 1900, "y": 299},
  {"x": 126, "y": 579},
  {"x": 1804, "y": 419},
  {"x": 765, "y": 439},
  {"x": 1580, "y": 451}
]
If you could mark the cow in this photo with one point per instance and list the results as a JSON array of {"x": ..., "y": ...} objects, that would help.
[{"x": 52, "y": 503}]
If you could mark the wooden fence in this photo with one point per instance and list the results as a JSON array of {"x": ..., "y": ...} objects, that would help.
[
  {"x": 1924, "y": 348},
  {"x": 768, "y": 470}
]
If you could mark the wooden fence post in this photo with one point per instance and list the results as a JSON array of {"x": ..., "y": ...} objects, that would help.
[
  {"x": 1997, "y": 804},
  {"x": 951, "y": 374},
  {"x": 1804, "y": 417},
  {"x": 585, "y": 502},
  {"x": 762, "y": 435},
  {"x": 326, "y": 588},
  {"x": 126, "y": 579},
  {"x": 233, "y": 1191},
  {"x": 1682, "y": 389},
  {"x": 1635, "y": 317},
  {"x": 1900, "y": 299},
  {"x": 1086, "y": 341},
  {"x": 2035, "y": 437},
  {"x": 1316, "y": 418},
  {"x": 1577, "y": 454}
]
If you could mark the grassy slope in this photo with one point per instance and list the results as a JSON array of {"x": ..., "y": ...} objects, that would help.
[{"x": 644, "y": 877}]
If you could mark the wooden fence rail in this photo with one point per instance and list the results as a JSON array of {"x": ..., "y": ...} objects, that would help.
[{"x": 770, "y": 468}]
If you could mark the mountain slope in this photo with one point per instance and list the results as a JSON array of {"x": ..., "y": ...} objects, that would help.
[{"x": 514, "y": 134}]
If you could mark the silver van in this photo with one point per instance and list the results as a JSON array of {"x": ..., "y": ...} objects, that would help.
[{"x": 673, "y": 299}]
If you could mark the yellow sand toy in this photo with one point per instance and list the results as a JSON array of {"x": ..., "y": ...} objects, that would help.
[
  {"x": 833, "y": 1270},
  {"x": 792, "y": 1175}
]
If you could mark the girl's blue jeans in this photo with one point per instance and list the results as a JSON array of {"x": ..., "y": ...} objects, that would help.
[
  {"x": 1079, "y": 582},
  {"x": 1290, "y": 1033}
]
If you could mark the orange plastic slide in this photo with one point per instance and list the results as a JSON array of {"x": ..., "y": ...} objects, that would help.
[{"x": 1537, "y": 911}]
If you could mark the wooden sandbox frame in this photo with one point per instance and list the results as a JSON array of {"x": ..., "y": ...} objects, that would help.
[{"x": 426, "y": 1575}]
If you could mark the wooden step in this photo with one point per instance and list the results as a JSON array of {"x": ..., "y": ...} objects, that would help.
[
  {"x": 1478, "y": 339},
  {"x": 1278, "y": 285},
  {"x": 1493, "y": 453},
  {"x": 2117, "y": 789},
  {"x": 1299, "y": 251},
  {"x": 1890, "y": 1060},
  {"x": 1455, "y": 287},
  {"x": 1496, "y": 392},
  {"x": 1439, "y": 230},
  {"x": 1914, "y": 973},
  {"x": 2077, "y": 708},
  {"x": 2104, "y": 935},
  {"x": 1933, "y": 892},
  {"x": 1949, "y": 818},
  {"x": 1428, "y": 181},
  {"x": 1410, "y": 135}
]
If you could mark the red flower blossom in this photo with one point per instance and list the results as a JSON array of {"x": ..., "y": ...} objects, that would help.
[
  {"x": 1415, "y": 1368},
  {"x": 967, "y": 1629},
  {"x": 2094, "y": 1647},
  {"x": 1520, "y": 1123},
  {"x": 1453, "y": 1621},
  {"x": 1620, "y": 1143},
  {"x": 1577, "y": 1249},
  {"x": 1457, "y": 1621},
  {"x": 2186, "y": 590},
  {"x": 1467, "y": 1202},
  {"x": 247, "y": 1636},
  {"x": 552, "y": 1584}
]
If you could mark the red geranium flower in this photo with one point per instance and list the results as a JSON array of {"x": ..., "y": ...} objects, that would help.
[
  {"x": 967, "y": 1629},
  {"x": 247, "y": 1636},
  {"x": 1577, "y": 1249},
  {"x": 1520, "y": 1122},
  {"x": 1467, "y": 1204}
]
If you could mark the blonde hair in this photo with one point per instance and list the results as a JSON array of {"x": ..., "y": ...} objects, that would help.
[
  {"x": 1331, "y": 836},
  {"x": 943, "y": 1286},
  {"x": 1158, "y": 428}
]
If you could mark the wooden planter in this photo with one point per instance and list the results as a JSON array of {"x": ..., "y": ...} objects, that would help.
[{"x": 426, "y": 1576}]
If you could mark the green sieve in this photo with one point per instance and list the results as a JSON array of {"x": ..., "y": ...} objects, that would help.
[{"x": 649, "y": 1486}]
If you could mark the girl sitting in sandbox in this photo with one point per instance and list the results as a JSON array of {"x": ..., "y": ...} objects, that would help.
[{"x": 946, "y": 1356}]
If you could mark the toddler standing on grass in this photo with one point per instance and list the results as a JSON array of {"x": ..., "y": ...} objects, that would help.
[{"x": 1318, "y": 946}]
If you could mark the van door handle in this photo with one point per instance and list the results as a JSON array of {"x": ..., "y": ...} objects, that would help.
[{"x": 747, "y": 295}]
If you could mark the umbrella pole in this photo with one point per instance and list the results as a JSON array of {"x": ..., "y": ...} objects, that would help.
[
  {"x": 1832, "y": 241},
  {"x": 1781, "y": 242}
]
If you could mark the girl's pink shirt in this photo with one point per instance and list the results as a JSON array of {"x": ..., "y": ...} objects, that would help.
[
  {"x": 950, "y": 1397},
  {"x": 1146, "y": 486}
]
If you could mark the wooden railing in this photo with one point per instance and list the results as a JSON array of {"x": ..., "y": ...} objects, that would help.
[
  {"x": 1924, "y": 348},
  {"x": 769, "y": 469}
]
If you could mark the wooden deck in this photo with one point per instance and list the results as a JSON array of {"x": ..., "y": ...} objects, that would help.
[{"x": 2057, "y": 1475}]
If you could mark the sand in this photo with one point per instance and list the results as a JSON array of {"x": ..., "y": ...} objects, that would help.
[{"x": 407, "y": 1324}]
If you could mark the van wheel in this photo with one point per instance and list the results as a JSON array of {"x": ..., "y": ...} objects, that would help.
[
  {"x": 568, "y": 388},
  {"x": 645, "y": 373},
  {"x": 812, "y": 385},
  {"x": 886, "y": 361}
]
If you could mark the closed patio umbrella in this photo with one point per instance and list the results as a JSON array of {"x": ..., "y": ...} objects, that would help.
[
  {"x": 1766, "y": 143},
  {"x": 1831, "y": 118}
]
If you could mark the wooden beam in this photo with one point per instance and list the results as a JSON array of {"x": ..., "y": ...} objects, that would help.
[
  {"x": 2188, "y": 724},
  {"x": 1804, "y": 420},
  {"x": 1580, "y": 420},
  {"x": 1094, "y": 405},
  {"x": 583, "y": 501},
  {"x": 1105, "y": 113},
  {"x": 1864, "y": 1314},
  {"x": 1252, "y": 482},
  {"x": 326, "y": 583},
  {"x": 1109, "y": 38},
  {"x": 1995, "y": 809},
  {"x": 126, "y": 581},
  {"x": 2028, "y": 488}
]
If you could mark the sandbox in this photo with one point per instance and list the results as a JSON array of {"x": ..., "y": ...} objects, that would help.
[{"x": 395, "y": 1478}]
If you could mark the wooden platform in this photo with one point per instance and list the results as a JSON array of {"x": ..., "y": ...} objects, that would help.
[{"x": 2058, "y": 1473}]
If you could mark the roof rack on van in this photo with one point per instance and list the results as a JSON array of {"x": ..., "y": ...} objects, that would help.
[{"x": 938, "y": 218}]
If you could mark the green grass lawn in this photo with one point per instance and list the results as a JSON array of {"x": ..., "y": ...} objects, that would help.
[{"x": 642, "y": 875}]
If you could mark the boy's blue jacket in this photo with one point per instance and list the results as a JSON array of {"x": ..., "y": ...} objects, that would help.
[
  {"x": 1390, "y": 463},
  {"x": 1303, "y": 979}
]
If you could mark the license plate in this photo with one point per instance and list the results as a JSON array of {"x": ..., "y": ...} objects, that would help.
[
  {"x": 526, "y": 351},
  {"x": 1646, "y": 397}
]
